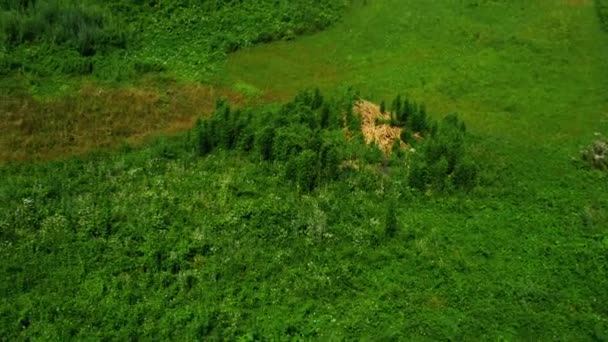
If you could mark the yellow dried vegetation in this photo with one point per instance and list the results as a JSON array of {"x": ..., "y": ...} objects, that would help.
[{"x": 374, "y": 131}]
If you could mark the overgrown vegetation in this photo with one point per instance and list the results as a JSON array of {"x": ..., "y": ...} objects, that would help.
[
  {"x": 116, "y": 40},
  {"x": 165, "y": 218},
  {"x": 223, "y": 232},
  {"x": 244, "y": 229},
  {"x": 306, "y": 138}
]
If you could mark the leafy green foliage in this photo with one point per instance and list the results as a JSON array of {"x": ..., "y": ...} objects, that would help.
[
  {"x": 391, "y": 225},
  {"x": 86, "y": 29},
  {"x": 168, "y": 242},
  {"x": 94, "y": 35},
  {"x": 304, "y": 136},
  {"x": 220, "y": 248},
  {"x": 442, "y": 161},
  {"x": 409, "y": 114}
]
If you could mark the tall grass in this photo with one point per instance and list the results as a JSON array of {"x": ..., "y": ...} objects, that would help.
[
  {"x": 149, "y": 30},
  {"x": 86, "y": 28}
]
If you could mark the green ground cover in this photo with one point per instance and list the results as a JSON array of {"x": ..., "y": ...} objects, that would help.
[
  {"x": 172, "y": 240},
  {"x": 49, "y": 44}
]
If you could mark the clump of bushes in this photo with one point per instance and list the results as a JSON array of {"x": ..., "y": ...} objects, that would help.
[
  {"x": 442, "y": 161},
  {"x": 299, "y": 138},
  {"x": 596, "y": 155},
  {"x": 34, "y": 32},
  {"x": 311, "y": 140},
  {"x": 87, "y": 29}
]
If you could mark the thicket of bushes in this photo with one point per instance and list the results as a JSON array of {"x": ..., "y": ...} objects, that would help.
[
  {"x": 44, "y": 37},
  {"x": 306, "y": 139},
  {"x": 88, "y": 29}
]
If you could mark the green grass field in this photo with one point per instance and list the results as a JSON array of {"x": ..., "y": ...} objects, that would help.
[{"x": 156, "y": 242}]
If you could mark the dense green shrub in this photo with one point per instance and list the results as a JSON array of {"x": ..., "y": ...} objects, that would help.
[
  {"x": 391, "y": 225},
  {"x": 406, "y": 113},
  {"x": 299, "y": 139},
  {"x": 304, "y": 137},
  {"x": 144, "y": 67},
  {"x": 442, "y": 160}
]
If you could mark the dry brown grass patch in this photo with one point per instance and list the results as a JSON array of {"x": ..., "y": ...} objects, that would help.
[
  {"x": 97, "y": 118},
  {"x": 383, "y": 135}
]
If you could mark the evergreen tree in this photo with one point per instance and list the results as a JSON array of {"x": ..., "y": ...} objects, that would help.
[
  {"x": 265, "y": 141},
  {"x": 383, "y": 107},
  {"x": 329, "y": 162},
  {"x": 203, "y": 137},
  {"x": 391, "y": 225},
  {"x": 325, "y": 116},
  {"x": 397, "y": 105},
  {"x": 353, "y": 121},
  {"x": 407, "y": 137},
  {"x": 406, "y": 112},
  {"x": 307, "y": 163},
  {"x": 317, "y": 99}
]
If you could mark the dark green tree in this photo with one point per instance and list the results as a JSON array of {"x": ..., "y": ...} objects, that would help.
[
  {"x": 391, "y": 225},
  {"x": 308, "y": 166},
  {"x": 407, "y": 137},
  {"x": 325, "y": 118},
  {"x": 265, "y": 142},
  {"x": 317, "y": 99},
  {"x": 396, "y": 109}
]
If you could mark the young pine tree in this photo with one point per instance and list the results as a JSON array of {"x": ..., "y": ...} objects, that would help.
[
  {"x": 265, "y": 142},
  {"x": 317, "y": 99},
  {"x": 391, "y": 225},
  {"x": 397, "y": 106},
  {"x": 307, "y": 164},
  {"x": 203, "y": 139},
  {"x": 406, "y": 112},
  {"x": 324, "y": 120}
]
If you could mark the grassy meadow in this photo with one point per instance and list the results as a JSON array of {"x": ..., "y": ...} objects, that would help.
[{"x": 272, "y": 218}]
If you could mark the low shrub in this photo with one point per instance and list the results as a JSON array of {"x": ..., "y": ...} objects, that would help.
[{"x": 596, "y": 155}]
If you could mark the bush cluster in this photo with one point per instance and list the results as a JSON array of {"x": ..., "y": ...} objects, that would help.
[
  {"x": 299, "y": 137},
  {"x": 411, "y": 117},
  {"x": 35, "y": 32},
  {"x": 442, "y": 161},
  {"x": 305, "y": 139},
  {"x": 87, "y": 29}
]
